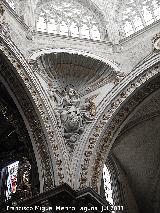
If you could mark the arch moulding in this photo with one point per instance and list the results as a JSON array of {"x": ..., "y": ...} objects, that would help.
[
  {"x": 111, "y": 117},
  {"x": 25, "y": 90}
]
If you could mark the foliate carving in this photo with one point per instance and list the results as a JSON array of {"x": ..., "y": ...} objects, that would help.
[
  {"x": 71, "y": 112},
  {"x": 156, "y": 42}
]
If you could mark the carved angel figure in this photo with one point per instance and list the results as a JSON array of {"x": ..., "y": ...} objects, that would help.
[{"x": 72, "y": 112}]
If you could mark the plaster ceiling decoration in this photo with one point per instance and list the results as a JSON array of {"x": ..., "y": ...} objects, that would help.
[{"x": 83, "y": 73}]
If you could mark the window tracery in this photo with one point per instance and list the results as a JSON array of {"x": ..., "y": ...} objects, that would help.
[
  {"x": 77, "y": 20},
  {"x": 139, "y": 14},
  {"x": 68, "y": 19}
]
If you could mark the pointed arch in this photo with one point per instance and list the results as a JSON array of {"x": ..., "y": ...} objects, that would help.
[
  {"x": 106, "y": 127},
  {"x": 25, "y": 90},
  {"x": 28, "y": 111},
  {"x": 118, "y": 120}
]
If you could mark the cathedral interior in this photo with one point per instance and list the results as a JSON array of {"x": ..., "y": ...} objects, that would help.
[{"x": 80, "y": 106}]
